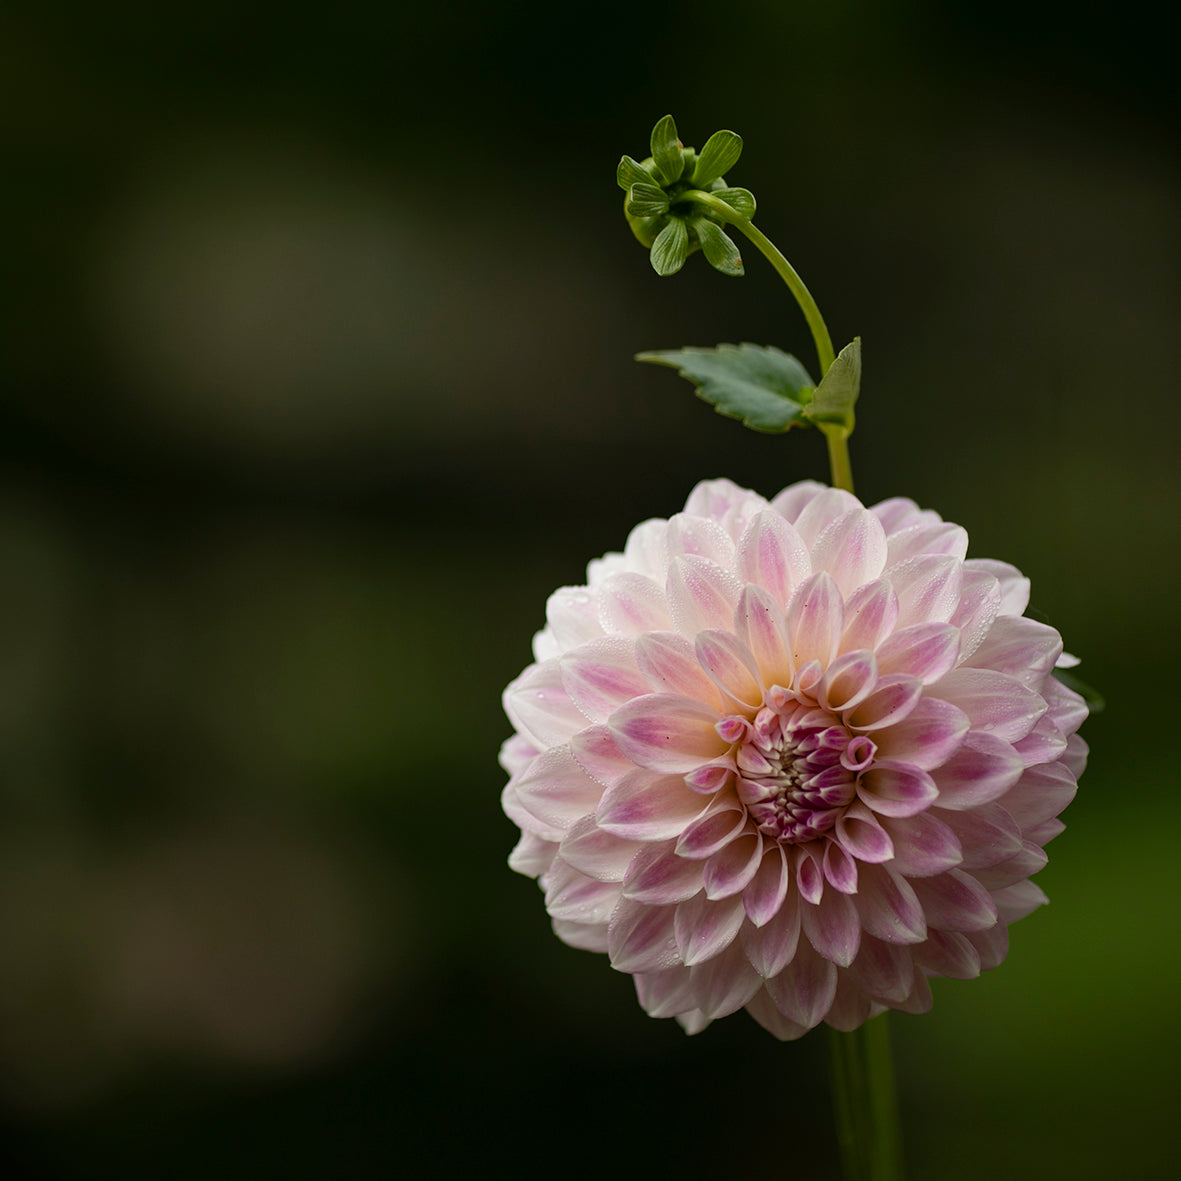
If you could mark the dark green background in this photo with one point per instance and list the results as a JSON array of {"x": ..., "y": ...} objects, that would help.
[{"x": 316, "y": 380}]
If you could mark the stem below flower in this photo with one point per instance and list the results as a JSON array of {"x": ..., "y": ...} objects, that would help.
[{"x": 865, "y": 1104}]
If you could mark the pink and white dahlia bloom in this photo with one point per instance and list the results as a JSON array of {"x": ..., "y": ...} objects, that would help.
[{"x": 795, "y": 756}]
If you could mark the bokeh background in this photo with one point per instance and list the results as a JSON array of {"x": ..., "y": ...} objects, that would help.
[{"x": 316, "y": 379}]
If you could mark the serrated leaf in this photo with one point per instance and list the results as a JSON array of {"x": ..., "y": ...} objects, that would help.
[
  {"x": 742, "y": 201},
  {"x": 666, "y": 150},
  {"x": 720, "y": 154},
  {"x": 835, "y": 396},
  {"x": 671, "y": 248},
  {"x": 765, "y": 388},
  {"x": 646, "y": 200},
  {"x": 1093, "y": 698},
  {"x": 631, "y": 172},
  {"x": 718, "y": 247}
]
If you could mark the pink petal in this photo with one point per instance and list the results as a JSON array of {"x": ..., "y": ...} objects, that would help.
[
  {"x": 888, "y": 906},
  {"x": 539, "y": 706},
  {"x": 862, "y": 836},
  {"x": 760, "y": 626},
  {"x": 1067, "y": 708},
  {"x": 670, "y": 665},
  {"x": 892, "y": 788},
  {"x": 573, "y": 896},
  {"x": 848, "y": 681},
  {"x": 703, "y": 928},
  {"x": 840, "y": 870},
  {"x": 631, "y": 604},
  {"x": 882, "y": 970},
  {"x": 1074, "y": 758},
  {"x": 949, "y": 953},
  {"x": 804, "y": 990},
  {"x": 796, "y": 497},
  {"x": 850, "y": 1006},
  {"x": 993, "y": 945},
  {"x": 899, "y": 512},
  {"x": 1015, "y": 902},
  {"x": 976, "y": 612},
  {"x": 927, "y": 737},
  {"x": 602, "y": 675},
  {"x": 645, "y": 551},
  {"x": 594, "y": 750},
  {"x": 732, "y": 867},
  {"x": 893, "y": 699},
  {"x": 724, "y": 984},
  {"x": 770, "y": 948},
  {"x": 646, "y": 806},
  {"x": 556, "y": 790},
  {"x": 923, "y": 845},
  {"x": 667, "y": 732},
  {"x": 833, "y": 927},
  {"x": 692, "y": 1022},
  {"x": 821, "y": 510},
  {"x": 919, "y": 1000},
  {"x": 572, "y": 614},
  {"x": 700, "y": 595},
  {"x": 994, "y": 702},
  {"x": 1043, "y": 744},
  {"x": 870, "y": 616},
  {"x": 586, "y": 937},
  {"x": 814, "y": 620},
  {"x": 1022, "y": 647},
  {"x": 928, "y": 589},
  {"x": 923, "y": 650},
  {"x": 852, "y": 549},
  {"x": 927, "y": 537},
  {"x": 532, "y": 856},
  {"x": 955, "y": 901},
  {"x": 1041, "y": 793},
  {"x": 982, "y": 770},
  {"x": 693, "y": 536},
  {"x": 1016, "y": 869},
  {"x": 714, "y": 829},
  {"x": 809, "y": 876},
  {"x": 772, "y": 555},
  {"x": 517, "y": 753},
  {"x": 767, "y": 891},
  {"x": 725, "y": 502},
  {"x": 597, "y": 853},
  {"x": 988, "y": 835},
  {"x": 762, "y": 1008},
  {"x": 730, "y": 666},
  {"x": 667, "y": 993},
  {"x": 640, "y": 938},
  {"x": 1014, "y": 585},
  {"x": 658, "y": 877}
]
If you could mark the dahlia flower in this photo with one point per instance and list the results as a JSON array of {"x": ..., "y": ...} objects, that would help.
[{"x": 796, "y": 756}]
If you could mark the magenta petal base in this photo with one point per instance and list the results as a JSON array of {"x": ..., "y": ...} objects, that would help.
[{"x": 795, "y": 756}]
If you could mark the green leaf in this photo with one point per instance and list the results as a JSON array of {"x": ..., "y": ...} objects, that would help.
[
  {"x": 666, "y": 150},
  {"x": 742, "y": 201},
  {"x": 671, "y": 248},
  {"x": 718, "y": 247},
  {"x": 1093, "y": 698},
  {"x": 719, "y": 155},
  {"x": 630, "y": 172},
  {"x": 832, "y": 404},
  {"x": 646, "y": 200},
  {"x": 766, "y": 388}
]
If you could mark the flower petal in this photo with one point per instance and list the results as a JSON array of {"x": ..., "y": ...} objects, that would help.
[
  {"x": 927, "y": 737},
  {"x": 928, "y": 588},
  {"x": 804, "y": 990},
  {"x": 690, "y": 535},
  {"x": 870, "y": 616},
  {"x": 848, "y": 681},
  {"x": 893, "y": 699},
  {"x": 594, "y": 750},
  {"x": 923, "y": 844},
  {"x": 704, "y": 928},
  {"x": 667, "y": 993},
  {"x": 769, "y": 948},
  {"x": 772, "y": 555},
  {"x": 884, "y": 971},
  {"x": 657, "y": 876},
  {"x": 888, "y": 906},
  {"x": 723, "y": 984},
  {"x": 640, "y": 938},
  {"x": 597, "y": 853},
  {"x": 852, "y": 549},
  {"x": 539, "y": 707},
  {"x": 988, "y": 835},
  {"x": 1014, "y": 585},
  {"x": 982, "y": 770},
  {"x": 574, "y": 896},
  {"x": 833, "y": 927},
  {"x": 892, "y": 788},
  {"x": 700, "y": 594},
  {"x": 993, "y": 701},
  {"x": 721, "y": 822},
  {"x": 631, "y": 604},
  {"x": 760, "y": 626},
  {"x": 669, "y": 663},
  {"x": 573, "y": 616},
  {"x": 646, "y": 806},
  {"x": 602, "y": 675},
  {"x": 667, "y": 732},
  {"x": 556, "y": 790},
  {"x": 731, "y": 868},
  {"x": 725, "y": 502},
  {"x": 821, "y": 510},
  {"x": 900, "y": 512},
  {"x": 927, "y": 537},
  {"x": 1040, "y": 793},
  {"x": 949, "y": 953},
  {"x": 923, "y": 650},
  {"x": 767, "y": 891},
  {"x": 815, "y": 620},
  {"x": 977, "y": 610},
  {"x": 730, "y": 666},
  {"x": 955, "y": 901},
  {"x": 862, "y": 836}
]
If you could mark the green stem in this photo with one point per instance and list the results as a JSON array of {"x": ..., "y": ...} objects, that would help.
[
  {"x": 865, "y": 1104},
  {"x": 838, "y": 457},
  {"x": 784, "y": 269}
]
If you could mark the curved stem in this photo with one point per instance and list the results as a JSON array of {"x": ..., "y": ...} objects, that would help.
[
  {"x": 784, "y": 269},
  {"x": 838, "y": 458},
  {"x": 865, "y": 1103}
]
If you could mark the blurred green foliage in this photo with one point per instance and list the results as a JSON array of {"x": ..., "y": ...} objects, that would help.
[{"x": 312, "y": 392}]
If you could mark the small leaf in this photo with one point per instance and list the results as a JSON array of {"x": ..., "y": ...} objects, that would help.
[
  {"x": 766, "y": 388},
  {"x": 717, "y": 246},
  {"x": 671, "y": 248},
  {"x": 630, "y": 172},
  {"x": 666, "y": 150},
  {"x": 1093, "y": 698},
  {"x": 719, "y": 155},
  {"x": 646, "y": 200},
  {"x": 832, "y": 404},
  {"x": 742, "y": 201}
]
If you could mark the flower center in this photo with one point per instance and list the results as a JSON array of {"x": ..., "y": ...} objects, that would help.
[{"x": 798, "y": 766}]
